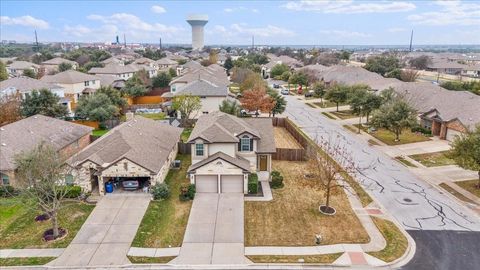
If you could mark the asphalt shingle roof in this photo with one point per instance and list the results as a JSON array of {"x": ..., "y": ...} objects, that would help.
[
  {"x": 69, "y": 77},
  {"x": 238, "y": 161}
]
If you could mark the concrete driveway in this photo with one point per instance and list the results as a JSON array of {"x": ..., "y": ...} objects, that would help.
[
  {"x": 108, "y": 232},
  {"x": 214, "y": 233}
]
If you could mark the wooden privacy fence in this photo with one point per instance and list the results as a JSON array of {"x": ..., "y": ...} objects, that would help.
[
  {"x": 289, "y": 153},
  {"x": 184, "y": 148},
  {"x": 93, "y": 124}
]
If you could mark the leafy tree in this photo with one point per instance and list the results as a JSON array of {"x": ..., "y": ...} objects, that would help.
[
  {"x": 228, "y": 63},
  {"x": 396, "y": 73},
  {"x": 257, "y": 100},
  {"x": 152, "y": 54},
  {"x": 251, "y": 81},
  {"x": 172, "y": 72},
  {"x": 420, "y": 62},
  {"x": 280, "y": 102},
  {"x": 161, "y": 80},
  {"x": 135, "y": 86},
  {"x": 299, "y": 78},
  {"x": 114, "y": 95},
  {"x": 345, "y": 55},
  {"x": 230, "y": 106},
  {"x": 213, "y": 57},
  {"x": 278, "y": 70},
  {"x": 372, "y": 103},
  {"x": 319, "y": 90},
  {"x": 41, "y": 175},
  {"x": 338, "y": 94},
  {"x": 10, "y": 109},
  {"x": 285, "y": 76},
  {"x": 382, "y": 64},
  {"x": 64, "y": 66},
  {"x": 473, "y": 86},
  {"x": 466, "y": 151},
  {"x": 3, "y": 71},
  {"x": 43, "y": 102},
  {"x": 29, "y": 73},
  {"x": 98, "y": 107},
  {"x": 394, "y": 116},
  {"x": 90, "y": 65},
  {"x": 186, "y": 105}
]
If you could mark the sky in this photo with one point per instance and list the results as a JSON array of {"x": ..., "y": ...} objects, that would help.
[{"x": 316, "y": 23}]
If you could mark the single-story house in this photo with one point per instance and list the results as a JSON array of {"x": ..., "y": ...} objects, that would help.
[
  {"x": 226, "y": 149},
  {"x": 139, "y": 149},
  {"x": 24, "y": 135}
]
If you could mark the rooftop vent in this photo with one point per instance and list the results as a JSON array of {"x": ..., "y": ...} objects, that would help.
[
  {"x": 4, "y": 144},
  {"x": 2, "y": 129}
]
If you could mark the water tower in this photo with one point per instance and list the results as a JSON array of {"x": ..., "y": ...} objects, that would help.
[{"x": 197, "y": 22}]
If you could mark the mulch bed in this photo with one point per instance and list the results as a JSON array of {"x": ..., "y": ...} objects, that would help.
[{"x": 48, "y": 234}]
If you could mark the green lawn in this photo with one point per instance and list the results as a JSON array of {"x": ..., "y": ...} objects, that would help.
[
  {"x": 397, "y": 243},
  {"x": 405, "y": 162},
  {"x": 186, "y": 133},
  {"x": 18, "y": 228},
  {"x": 388, "y": 137},
  {"x": 470, "y": 186},
  {"x": 99, "y": 132},
  {"x": 165, "y": 221},
  {"x": 25, "y": 261},
  {"x": 150, "y": 260},
  {"x": 154, "y": 116},
  {"x": 328, "y": 104},
  {"x": 346, "y": 114},
  {"x": 324, "y": 258},
  {"x": 434, "y": 159}
]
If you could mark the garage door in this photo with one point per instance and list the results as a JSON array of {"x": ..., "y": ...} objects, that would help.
[
  {"x": 206, "y": 183},
  {"x": 452, "y": 134},
  {"x": 232, "y": 183}
]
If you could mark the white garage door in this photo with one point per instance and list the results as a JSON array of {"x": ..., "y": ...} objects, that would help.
[
  {"x": 206, "y": 183},
  {"x": 232, "y": 183},
  {"x": 452, "y": 134}
]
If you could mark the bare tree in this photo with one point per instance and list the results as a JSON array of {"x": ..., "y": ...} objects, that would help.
[
  {"x": 409, "y": 75},
  {"x": 41, "y": 174},
  {"x": 327, "y": 166}
]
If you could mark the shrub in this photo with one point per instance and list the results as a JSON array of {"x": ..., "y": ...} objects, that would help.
[
  {"x": 277, "y": 180},
  {"x": 253, "y": 183},
  {"x": 187, "y": 192},
  {"x": 7, "y": 191},
  {"x": 73, "y": 192},
  {"x": 422, "y": 130},
  {"x": 160, "y": 191}
]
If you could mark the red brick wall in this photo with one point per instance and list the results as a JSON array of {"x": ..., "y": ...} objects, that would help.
[{"x": 456, "y": 125}]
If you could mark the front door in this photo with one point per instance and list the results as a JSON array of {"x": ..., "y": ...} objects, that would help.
[{"x": 263, "y": 162}]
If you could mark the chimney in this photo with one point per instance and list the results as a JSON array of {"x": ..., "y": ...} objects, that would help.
[{"x": 129, "y": 116}]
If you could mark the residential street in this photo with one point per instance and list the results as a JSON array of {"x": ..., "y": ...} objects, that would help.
[{"x": 414, "y": 203}]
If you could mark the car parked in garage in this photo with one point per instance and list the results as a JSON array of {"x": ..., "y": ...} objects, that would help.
[{"x": 130, "y": 184}]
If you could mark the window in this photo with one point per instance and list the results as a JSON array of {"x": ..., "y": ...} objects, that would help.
[
  {"x": 69, "y": 179},
  {"x": 245, "y": 144},
  {"x": 87, "y": 83},
  {"x": 199, "y": 149},
  {"x": 5, "y": 180}
]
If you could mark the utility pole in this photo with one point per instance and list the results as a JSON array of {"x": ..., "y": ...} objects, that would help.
[
  {"x": 124, "y": 41},
  {"x": 37, "y": 48},
  {"x": 411, "y": 40},
  {"x": 160, "y": 44},
  {"x": 253, "y": 43}
]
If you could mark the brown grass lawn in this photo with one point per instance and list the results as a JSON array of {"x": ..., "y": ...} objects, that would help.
[
  {"x": 165, "y": 221},
  {"x": 397, "y": 243},
  {"x": 283, "y": 139},
  {"x": 470, "y": 186},
  {"x": 148, "y": 260},
  {"x": 293, "y": 219},
  {"x": 25, "y": 261},
  {"x": 325, "y": 258},
  {"x": 329, "y": 115},
  {"x": 434, "y": 159},
  {"x": 405, "y": 161},
  {"x": 346, "y": 114},
  {"x": 452, "y": 191}
]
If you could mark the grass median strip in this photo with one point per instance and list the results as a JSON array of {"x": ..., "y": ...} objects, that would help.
[
  {"x": 25, "y": 261},
  {"x": 405, "y": 161},
  {"x": 397, "y": 243},
  {"x": 351, "y": 128},
  {"x": 329, "y": 115},
  {"x": 324, "y": 258},
  {"x": 455, "y": 193},
  {"x": 150, "y": 260},
  {"x": 346, "y": 114},
  {"x": 470, "y": 186},
  {"x": 164, "y": 223},
  {"x": 310, "y": 105}
]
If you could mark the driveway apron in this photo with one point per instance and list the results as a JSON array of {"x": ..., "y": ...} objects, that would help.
[
  {"x": 214, "y": 233},
  {"x": 108, "y": 232}
]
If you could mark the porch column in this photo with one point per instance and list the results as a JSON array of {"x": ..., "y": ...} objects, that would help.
[
  {"x": 101, "y": 185},
  {"x": 245, "y": 183},
  {"x": 443, "y": 131},
  {"x": 219, "y": 183}
]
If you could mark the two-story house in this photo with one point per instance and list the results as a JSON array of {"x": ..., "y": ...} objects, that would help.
[
  {"x": 226, "y": 149},
  {"x": 74, "y": 82}
]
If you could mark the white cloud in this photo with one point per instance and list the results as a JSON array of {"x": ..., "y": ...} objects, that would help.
[
  {"x": 132, "y": 26},
  {"x": 349, "y": 6},
  {"x": 450, "y": 13},
  {"x": 158, "y": 9},
  {"x": 396, "y": 29},
  {"x": 26, "y": 20},
  {"x": 228, "y": 10},
  {"x": 238, "y": 9},
  {"x": 345, "y": 34}
]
